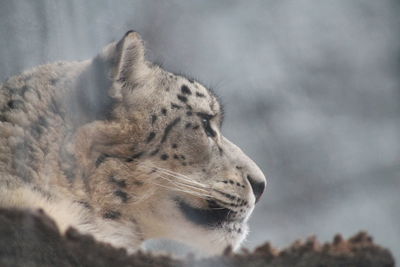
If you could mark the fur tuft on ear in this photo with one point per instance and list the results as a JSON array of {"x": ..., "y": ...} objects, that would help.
[
  {"x": 97, "y": 88},
  {"x": 126, "y": 58}
]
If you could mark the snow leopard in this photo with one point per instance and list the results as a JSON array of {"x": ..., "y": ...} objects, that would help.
[{"x": 119, "y": 148}]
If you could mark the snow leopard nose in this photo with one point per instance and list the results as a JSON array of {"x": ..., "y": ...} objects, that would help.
[{"x": 257, "y": 185}]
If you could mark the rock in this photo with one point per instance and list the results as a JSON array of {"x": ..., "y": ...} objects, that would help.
[{"x": 32, "y": 239}]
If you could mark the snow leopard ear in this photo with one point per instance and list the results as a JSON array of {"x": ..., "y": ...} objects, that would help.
[
  {"x": 120, "y": 65},
  {"x": 127, "y": 59}
]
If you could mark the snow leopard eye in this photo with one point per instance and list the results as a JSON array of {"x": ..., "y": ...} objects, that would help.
[
  {"x": 205, "y": 120},
  {"x": 207, "y": 127}
]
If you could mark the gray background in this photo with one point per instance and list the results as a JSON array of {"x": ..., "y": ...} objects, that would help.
[{"x": 311, "y": 89}]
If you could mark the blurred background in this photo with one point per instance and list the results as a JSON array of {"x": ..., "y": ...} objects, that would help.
[{"x": 311, "y": 92}]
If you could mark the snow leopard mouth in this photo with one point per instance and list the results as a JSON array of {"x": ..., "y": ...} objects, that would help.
[{"x": 212, "y": 217}]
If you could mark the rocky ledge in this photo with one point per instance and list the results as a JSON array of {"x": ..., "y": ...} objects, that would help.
[{"x": 32, "y": 239}]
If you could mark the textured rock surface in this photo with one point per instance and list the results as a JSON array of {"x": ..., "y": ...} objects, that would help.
[{"x": 32, "y": 239}]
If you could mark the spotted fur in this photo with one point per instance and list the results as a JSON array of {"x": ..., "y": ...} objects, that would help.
[{"x": 121, "y": 149}]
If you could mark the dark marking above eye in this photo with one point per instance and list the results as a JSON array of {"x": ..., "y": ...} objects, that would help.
[
  {"x": 164, "y": 157},
  {"x": 164, "y": 111},
  {"x": 175, "y": 106},
  {"x": 168, "y": 129},
  {"x": 113, "y": 215},
  {"x": 182, "y": 98},
  {"x": 200, "y": 94},
  {"x": 205, "y": 115},
  {"x": 150, "y": 137},
  {"x": 185, "y": 90}
]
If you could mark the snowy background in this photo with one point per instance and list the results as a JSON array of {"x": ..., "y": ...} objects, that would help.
[{"x": 311, "y": 89}]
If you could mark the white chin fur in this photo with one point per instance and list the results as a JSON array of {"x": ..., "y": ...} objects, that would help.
[{"x": 215, "y": 241}]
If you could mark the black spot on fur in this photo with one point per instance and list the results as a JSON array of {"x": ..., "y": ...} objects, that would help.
[
  {"x": 150, "y": 137},
  {"x": 183, "y": 157},
  {"x": 175, "y": 106},
  {"x": 15, "y": 104},
  {"x": 119, "y": 183},
  {"x": 182, "y": 98},
  {"x": 196, "y": 127},
  {"x": 200, "y": 94},
  {"x": 188, "y": 125},
  {"x": 189, "y": 107},
  {"x": 164, "y": 157},
  {"x": 134, "y": 156},
  {"x": 189, "y": 113},
  {"x": 176, "y": 156},
  {"x": 122, "y": 195},
  {"x": 101, "y": 159},
  {"x": 185, "y": 90},
  {"x": 164, "y": 111},
  {"x": 153, "y": 118},
  {"x": 174, "y": 145},
  {"x": 169, "y": 128},
  {"x": 112, "y": 215},
  {"x": 53, "y": 81},
  {"x": 191, "y": 80}
]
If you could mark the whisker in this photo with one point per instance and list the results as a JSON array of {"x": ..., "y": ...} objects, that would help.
[
  {"x": 183, "y": 184},
  {"x": 179, "y": 175},
  {"x": 186, "y": 187},
  {"x": 180, "y": 190}
]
